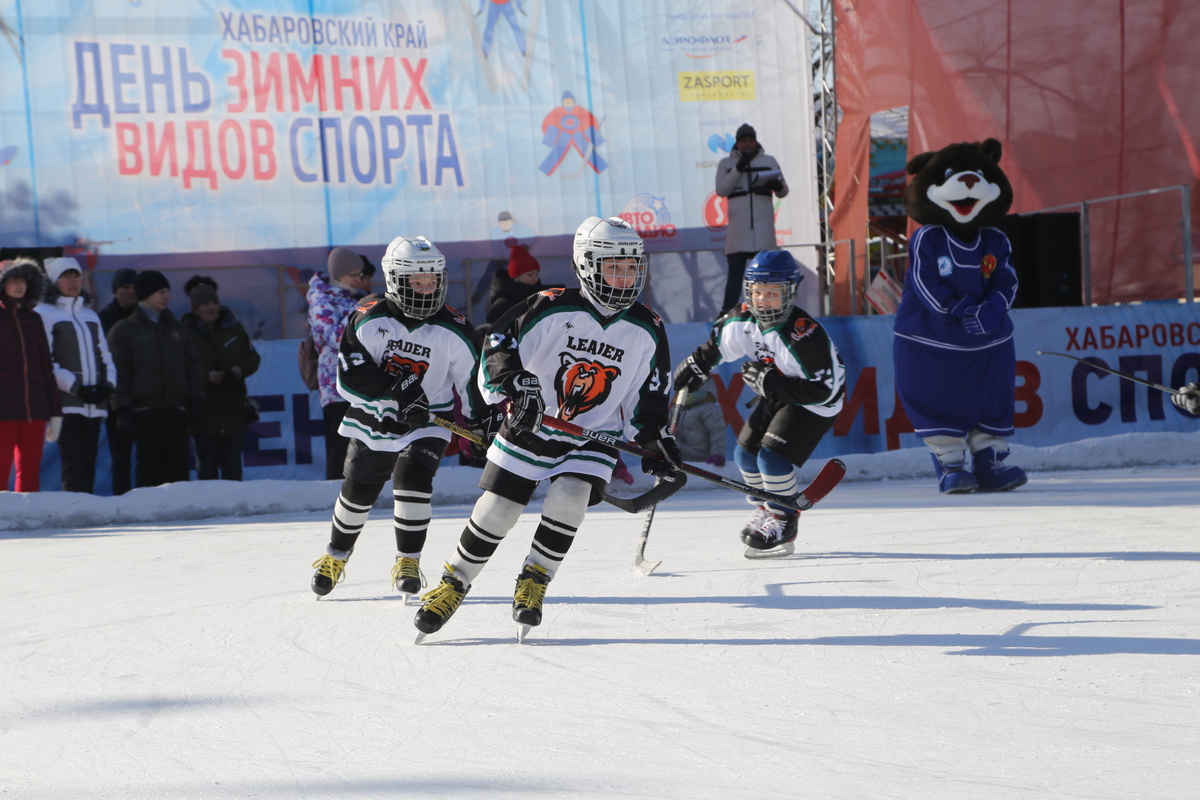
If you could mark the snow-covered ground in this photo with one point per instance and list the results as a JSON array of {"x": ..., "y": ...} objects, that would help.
[{"x": 1038, "y": 643}]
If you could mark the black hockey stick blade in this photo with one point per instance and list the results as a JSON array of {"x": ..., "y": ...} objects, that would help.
[
  {"x": 1093, "y": 365},
  {"x": 830, "y": 476},
  {"x": 661, "y": 491},
  {"x": 633, "y": 505},
  {"x": 640, "y": 564}
]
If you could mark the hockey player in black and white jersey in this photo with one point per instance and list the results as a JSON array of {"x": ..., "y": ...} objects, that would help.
[
  {"x": 401, "y": 358},
  {"x": 799, "y": 378},
  {"x": 593, "y": 356}
]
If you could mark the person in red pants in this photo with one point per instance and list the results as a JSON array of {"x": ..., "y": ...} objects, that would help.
[{"x": 28, "y": 394}]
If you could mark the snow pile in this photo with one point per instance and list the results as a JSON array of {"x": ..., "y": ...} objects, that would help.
[{"x": 460, "y": 485}]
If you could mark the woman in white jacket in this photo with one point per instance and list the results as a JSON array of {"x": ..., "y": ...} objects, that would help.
[{"x": 83, "y": 370}]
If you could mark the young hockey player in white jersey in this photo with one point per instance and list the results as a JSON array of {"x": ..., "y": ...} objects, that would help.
[
  {"x": 593, "y": 356},
  {"x": 402, "y": 357},
  {"x": 799, "y": 378}
]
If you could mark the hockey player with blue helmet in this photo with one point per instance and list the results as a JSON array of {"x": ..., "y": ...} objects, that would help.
[{"x": 799, "y": 378}]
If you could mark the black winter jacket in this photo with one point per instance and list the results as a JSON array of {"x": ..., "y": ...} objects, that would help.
[
  {"x": 223, "y": 346},
  {"x": 158, "y": 366}
]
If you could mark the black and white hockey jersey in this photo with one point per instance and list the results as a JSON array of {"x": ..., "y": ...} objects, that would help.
[
  {"x": 811, "y": 370},
  {"x": 605, "y": 373},
  {"x": 378, "y": 343}
]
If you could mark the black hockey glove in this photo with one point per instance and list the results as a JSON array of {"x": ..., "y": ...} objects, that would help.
[
  {"x": 1188, "y": 398},
  {"x": 486, "y": 425},
  {"x": 757, "y": 375},
  {"x": 689, "y": 375},
  {"x": 667, "y": 460},
  {"x": 413, "y": 411},
  {"x": 526, "y": 405}
]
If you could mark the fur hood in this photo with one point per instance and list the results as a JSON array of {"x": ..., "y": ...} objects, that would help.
[{"x": 36, "y": 281}]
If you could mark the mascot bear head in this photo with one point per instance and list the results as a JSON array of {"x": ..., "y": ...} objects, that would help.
[{"x": 960, "y": 187}]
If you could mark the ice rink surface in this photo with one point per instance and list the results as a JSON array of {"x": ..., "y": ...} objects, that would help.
[{"x": 1040, "y": 643}]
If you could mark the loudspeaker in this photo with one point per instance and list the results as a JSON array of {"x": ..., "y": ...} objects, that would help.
[{"x": 1047, "y": 257}]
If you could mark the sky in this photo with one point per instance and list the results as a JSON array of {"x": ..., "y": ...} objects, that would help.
[{"x": 1035, "y": 643}]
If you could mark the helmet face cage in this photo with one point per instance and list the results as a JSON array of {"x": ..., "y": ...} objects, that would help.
[
  {"x": 610, "y": 243},
  {"x": 772, "y": 268},
  {"x": 409, "y": 258}
]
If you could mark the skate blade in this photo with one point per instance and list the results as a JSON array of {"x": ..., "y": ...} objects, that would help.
[
  {"x": 420, "y": 637},
  {"x": 404, "y": 598},
  {"x": 774, "y": 552},
  {"x": 522, "y": 632},
  {"x": 645, "y": 567}
]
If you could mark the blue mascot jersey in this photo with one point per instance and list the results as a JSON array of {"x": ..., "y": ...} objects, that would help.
[{"x": 942, "y": 270}]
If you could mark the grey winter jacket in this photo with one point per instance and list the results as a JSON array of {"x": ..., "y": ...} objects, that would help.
[
  {"x": 751, "y": 225},
  {"x": 158, "y": 366},
  {"x": 701, "y": 429},
  {"x": 79, "y": 350}
]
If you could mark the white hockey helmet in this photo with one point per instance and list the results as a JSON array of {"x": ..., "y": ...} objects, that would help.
[
  {"x": 411, "y": 257},
  {"x": 612, "y": 242}
]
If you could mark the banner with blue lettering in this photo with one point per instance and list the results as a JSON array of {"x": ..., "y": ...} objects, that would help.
[{"x": 247, "y": 125}]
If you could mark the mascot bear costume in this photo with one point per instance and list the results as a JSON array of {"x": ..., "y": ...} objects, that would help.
[{"x": 954, "y": 355}]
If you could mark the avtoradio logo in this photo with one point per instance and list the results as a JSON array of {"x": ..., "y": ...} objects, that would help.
[{"x": 649, "y": 215}]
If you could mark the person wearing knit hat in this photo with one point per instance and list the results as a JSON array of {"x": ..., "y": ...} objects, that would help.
[
  {"x": 747, "y": 178},
  {"x": 332, "y": 296},
  {"x": 83, "y": 370},
  {"x": 227, "y": 358},
  {"x": 510, "y": 286},
  {"x": 160, "y": 383}
]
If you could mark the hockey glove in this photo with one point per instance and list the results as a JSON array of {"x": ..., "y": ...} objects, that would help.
[
  {"x": 689, "y": 375},
  {"x": 1188, "y": 398},
  {"x": 757, "y": 375},
  {"x": 486, "y": 425},
  {"x": 413, "y": 405},
  {"x": 526, "y": 405},
  {"x": 667, "y": 460}
]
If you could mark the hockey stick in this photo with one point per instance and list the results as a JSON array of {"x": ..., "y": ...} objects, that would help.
[
  {"x": 639, "y": 559},
  {"x": 633, "y": 505},
  {"x": 1151, "y": 384},
  {"x": 823, "y": 484}
]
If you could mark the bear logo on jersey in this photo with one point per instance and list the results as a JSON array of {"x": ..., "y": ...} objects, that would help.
[
  {"x": 397, "y": 365},
  {"x": 582, "y": 385},
  {"x": 803, "y": 328}
]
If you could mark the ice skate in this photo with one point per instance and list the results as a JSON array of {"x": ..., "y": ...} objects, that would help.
[
  {"x": 407, "y": 577},
  {"x": 954, "y": 478},
  {"x": 331, "y": 569},
  {"x": 775, "y": 536},
  {"x": 760, "y": 513},
  {"x": 528, "y": 598},
  {"x": 992, "y": 475},
  {"x": 439, "y": 604}
]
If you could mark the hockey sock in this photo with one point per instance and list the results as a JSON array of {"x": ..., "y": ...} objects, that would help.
[
  {"x": 491, "y": 520},
  {"x": 350, "y": 512},
  {"x": 778, "y": 476},
  {"x": 562, "y": 514},
  {"x": 412, "y": 490},
  {"x": 747, "y": 463}
]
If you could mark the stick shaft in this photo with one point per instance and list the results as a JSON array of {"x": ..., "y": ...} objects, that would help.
[{"x": 1151, "y": 384}]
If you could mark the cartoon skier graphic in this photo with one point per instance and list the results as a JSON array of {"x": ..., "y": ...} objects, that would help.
[
  {"x": 569, "y": 126},
  {"x": 495, "y": 8}
]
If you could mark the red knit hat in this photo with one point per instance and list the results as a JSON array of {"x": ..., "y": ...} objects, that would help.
[{"x": 520, "y": 262}]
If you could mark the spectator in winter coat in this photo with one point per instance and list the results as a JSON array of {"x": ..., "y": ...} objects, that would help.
[
  {"x": 160, "y": 384},
  {"x": 332, "y": 296},
  {"x": 747, "y": 177},
  {"x": 227, "y": 358},
  {"x": 120, "y": 446},
  {"x": 28, "y": 395},
  {"x": 522, "y": 279},
  {"x": 83, "y": 370},
  {"x": 700, "y": 431}
]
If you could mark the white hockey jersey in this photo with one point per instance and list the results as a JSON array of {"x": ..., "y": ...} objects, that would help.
[{"x": 378, "y": 343}]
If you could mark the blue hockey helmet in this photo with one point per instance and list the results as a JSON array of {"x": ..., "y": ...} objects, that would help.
[{"x": 775, "y": 268}]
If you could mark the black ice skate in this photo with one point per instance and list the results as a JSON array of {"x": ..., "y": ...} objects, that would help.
[
  {"x": 760, "y": 513},
  {"x": 528, "y": 598},
  {"x": 407, "y": 577},
  {"x": 775, "y": 536},
  {"x": 331, "y": 569},
  {"x": 439, "y": 604}
]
